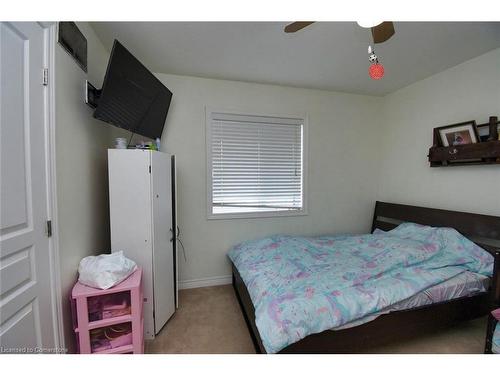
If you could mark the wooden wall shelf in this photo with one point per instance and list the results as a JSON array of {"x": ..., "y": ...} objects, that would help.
[
  {"x": 472, "y": 154},
  {"x": 481, "y": 153}
]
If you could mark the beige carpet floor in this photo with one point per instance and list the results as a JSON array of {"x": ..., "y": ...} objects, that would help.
[{"x": 209, "y": 320}]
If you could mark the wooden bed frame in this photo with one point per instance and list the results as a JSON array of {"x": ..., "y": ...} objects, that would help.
[{"x": 400, "y": 325}]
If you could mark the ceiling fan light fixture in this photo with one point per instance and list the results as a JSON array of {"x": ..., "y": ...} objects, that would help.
[{"x": 368, "y": 24}]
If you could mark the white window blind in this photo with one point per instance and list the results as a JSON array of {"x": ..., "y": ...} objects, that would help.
[{"x": 256, "y": 164}]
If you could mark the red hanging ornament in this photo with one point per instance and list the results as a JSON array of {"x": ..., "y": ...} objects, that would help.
[{"x": 376, "y": 71}]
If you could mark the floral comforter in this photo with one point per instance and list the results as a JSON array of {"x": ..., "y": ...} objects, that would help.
[{"x": 300, "y": 285}]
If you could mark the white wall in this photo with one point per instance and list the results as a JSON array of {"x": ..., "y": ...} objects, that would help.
[
  {"x": 81, "y": 168},
  {"x": 469, "y": 91},
  {"x": 343, "y": 148},
  {"x": 360, "y": 149}
]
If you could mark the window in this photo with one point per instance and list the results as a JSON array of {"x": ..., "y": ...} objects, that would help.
[{"x": 255, "y": 165}]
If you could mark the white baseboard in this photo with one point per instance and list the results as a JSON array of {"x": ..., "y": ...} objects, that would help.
[{"x": 206, "y": 281}]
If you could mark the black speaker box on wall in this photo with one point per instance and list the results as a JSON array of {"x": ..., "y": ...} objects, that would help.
[{"x": 74, "y": 42}]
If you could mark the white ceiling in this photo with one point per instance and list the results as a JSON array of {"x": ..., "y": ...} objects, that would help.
[{"x": 326, "y": 55}]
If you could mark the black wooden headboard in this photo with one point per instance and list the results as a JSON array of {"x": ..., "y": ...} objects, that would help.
[{"x": 484, "y": 230}]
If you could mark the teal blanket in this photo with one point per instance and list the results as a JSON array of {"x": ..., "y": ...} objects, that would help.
[{"x": 300, "y": 285}]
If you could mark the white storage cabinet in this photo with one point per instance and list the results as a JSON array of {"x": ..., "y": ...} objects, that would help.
[{"x": 141, "y": 219}]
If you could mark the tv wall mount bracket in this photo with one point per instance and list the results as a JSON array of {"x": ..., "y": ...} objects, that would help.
[{"x": 92, "y": 95}]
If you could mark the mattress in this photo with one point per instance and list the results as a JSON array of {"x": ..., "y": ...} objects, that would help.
[{"x": 463, "y": 285}]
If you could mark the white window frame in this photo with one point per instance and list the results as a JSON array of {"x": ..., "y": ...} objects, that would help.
[{"x": 263, "y": 214}]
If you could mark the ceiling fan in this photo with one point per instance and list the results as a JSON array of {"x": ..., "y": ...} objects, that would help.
[{"x": 380, "y": 33}]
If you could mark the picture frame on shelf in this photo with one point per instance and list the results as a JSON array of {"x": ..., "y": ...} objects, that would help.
[{"x": 462, "y": 133}]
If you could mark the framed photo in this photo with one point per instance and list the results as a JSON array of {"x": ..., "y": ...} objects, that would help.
[{"x": 463, "y": 133}]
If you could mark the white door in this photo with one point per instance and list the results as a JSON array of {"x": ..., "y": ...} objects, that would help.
[
  {"x": 163, "y": 250},
  {"x": 26, "y": 316},
  {"x": 175, "y": 225},
  {"x": 131, "y": 218}
]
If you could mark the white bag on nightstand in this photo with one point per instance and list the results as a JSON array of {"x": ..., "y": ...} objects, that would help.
[{"x": 106, "y": 270}]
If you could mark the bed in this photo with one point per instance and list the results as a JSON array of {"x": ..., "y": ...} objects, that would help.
[{"x": 428, "y": 310}]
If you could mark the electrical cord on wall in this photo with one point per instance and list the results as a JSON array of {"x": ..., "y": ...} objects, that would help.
[
  {"x": 183, "y": 249},
  {"x": 178, "y": 238},
  {"x": 130, "y": 140}
]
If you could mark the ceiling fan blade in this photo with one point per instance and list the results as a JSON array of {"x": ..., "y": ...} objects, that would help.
[
  {"x": 296, "y": 26},
  {"x": 382, "y": 32}
]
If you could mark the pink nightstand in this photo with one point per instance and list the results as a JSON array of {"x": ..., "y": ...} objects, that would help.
[{"x": 109, "y": 321}]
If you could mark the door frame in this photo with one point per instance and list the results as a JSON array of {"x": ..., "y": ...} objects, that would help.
[{"x": 50, "y": 35}]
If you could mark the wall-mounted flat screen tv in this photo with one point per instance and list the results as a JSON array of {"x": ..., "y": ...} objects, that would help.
[{"x": 132, "y": 97}]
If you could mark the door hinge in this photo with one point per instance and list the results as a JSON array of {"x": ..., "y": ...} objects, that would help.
[
  {"x": 149, "y": 169},
  {"x": 45, "y": 76},
  {"x": 49, "y": 228}
]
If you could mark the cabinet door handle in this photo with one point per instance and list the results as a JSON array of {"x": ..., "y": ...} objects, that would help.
[{"x": 175, "y": 235}]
